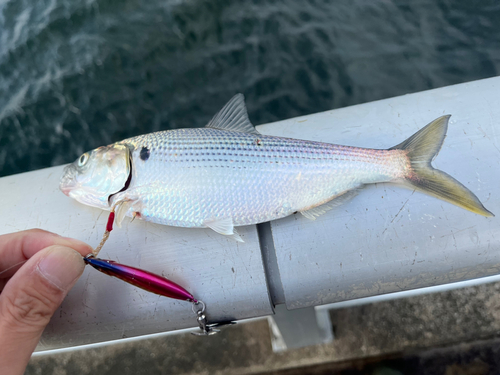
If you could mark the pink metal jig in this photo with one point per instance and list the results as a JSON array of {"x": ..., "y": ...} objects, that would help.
[
  {"x": 146, "y": 280},
  {"x": 150, "y": 282}
]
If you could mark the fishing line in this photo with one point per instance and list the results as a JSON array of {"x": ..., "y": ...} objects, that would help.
[
  {"x": 14, "y": 266},
  {"x": 109, "y": 228}
]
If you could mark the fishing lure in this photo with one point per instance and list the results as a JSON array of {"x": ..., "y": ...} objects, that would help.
[
  {"x": 151, "y": 282},
  {"x": 157, "y": 284},
  {"x": 143, "y": 279}
]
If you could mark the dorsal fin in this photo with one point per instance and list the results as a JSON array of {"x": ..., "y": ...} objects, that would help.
[{"x": 233, "y": 117}]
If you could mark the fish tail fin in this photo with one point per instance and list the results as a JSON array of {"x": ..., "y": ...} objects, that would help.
[{"x": 421, "y": 148}]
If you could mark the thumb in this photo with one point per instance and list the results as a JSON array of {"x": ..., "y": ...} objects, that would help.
[{"x": 30, "y": 298}]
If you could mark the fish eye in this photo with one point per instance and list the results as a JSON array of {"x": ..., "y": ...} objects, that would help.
[{"x": 83, "y": 159}]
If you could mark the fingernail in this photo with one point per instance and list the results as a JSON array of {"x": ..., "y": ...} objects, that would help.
[{"x": 61, "y": 266}]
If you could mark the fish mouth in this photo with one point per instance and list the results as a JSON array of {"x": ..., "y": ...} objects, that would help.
[{"x": 68, "y": 179}]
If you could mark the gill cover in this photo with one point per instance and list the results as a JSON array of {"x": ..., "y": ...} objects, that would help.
[{"x": 95, "y": 176}]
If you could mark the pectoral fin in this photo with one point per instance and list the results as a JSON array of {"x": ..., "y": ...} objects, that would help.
[{"x": 225, "y": 227}]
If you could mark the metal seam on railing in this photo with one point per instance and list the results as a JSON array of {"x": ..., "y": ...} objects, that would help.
[{"x": 271, "y": 270}]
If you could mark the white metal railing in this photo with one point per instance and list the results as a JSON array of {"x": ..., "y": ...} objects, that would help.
[{"x": 386, "y": 239}]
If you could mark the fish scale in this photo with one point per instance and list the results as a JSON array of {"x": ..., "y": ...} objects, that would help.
[{"x": 202, "y": 174}]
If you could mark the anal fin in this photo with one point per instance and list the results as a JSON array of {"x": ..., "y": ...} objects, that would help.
[{"x": 338, "y": 200}]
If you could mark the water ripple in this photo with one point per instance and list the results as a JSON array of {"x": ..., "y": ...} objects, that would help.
[{"x": 78, "y": 74}]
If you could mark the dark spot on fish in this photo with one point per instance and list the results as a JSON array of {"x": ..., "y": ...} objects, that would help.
[{"x": 144, "y": 153}]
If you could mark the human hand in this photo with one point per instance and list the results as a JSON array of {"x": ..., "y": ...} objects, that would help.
[{"x": 31, "y": 292}]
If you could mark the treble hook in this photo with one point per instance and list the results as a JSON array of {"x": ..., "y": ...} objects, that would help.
[{"x": 205, "y": 328}]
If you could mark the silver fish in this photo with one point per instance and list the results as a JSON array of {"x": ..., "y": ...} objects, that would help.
[{"x": 228, "y": 174}]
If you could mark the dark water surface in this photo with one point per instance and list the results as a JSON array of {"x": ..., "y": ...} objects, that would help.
[{"x": 77, "y": 74}]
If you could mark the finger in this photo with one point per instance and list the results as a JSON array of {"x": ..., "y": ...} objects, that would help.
[
  {"x": 29, "y": 300},
  {"x": 18, "y": 247}
]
